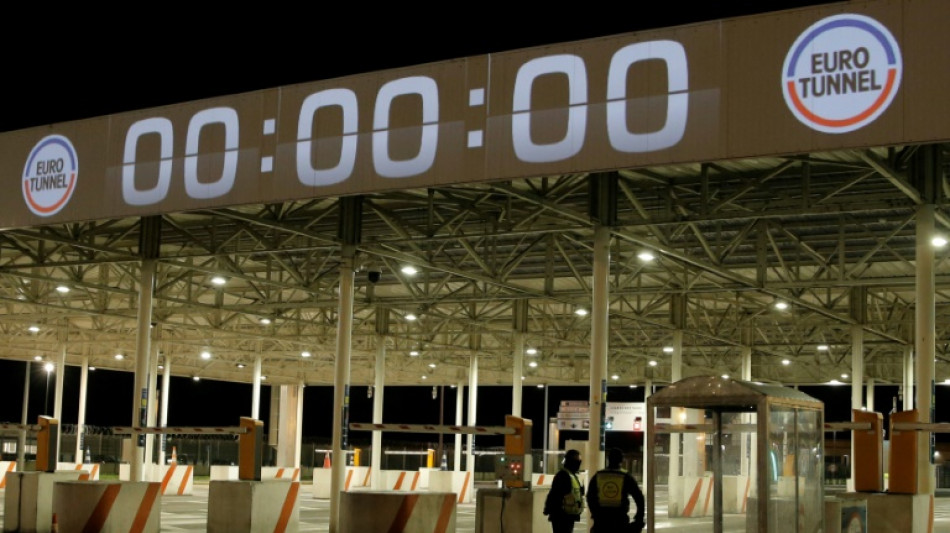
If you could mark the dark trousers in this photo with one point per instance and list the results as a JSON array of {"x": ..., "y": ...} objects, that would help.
[
  {"x": 562, "y": 526},
  {"x": 619, "y": 525}
]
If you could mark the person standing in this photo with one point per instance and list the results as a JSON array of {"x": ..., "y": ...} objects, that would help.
[
  {"x": 608, "y": 498},
  {"x": 565, "y": 500}
]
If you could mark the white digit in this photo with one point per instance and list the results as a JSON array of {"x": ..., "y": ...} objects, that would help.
[
  {"x": 526, "y": 149},
  {"x": 216, "y": 115},
  {"x": 131, "y": 194},
  {"x": 677, "y": 105},
  {"x": 346, "y": 100},
  {"x": 422, "y": 162}
]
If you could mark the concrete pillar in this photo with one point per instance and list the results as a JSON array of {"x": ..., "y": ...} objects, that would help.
[
  {"x": 600, "y": 308},
  {"x": 745, "y": 438},
  {"x": 857, "y": 381},
  {"x": 647, "y": 433},
  {"x": 925, "y": 346},
  {"x": 676, "y": 374},
  {"x": 869, "y": 401},
  {"x": 81, "y": 418},
  {"x": 58, "y": 399},
  {"x": 745, "y": 373},
  {"x": 152, "y": 410},
  {"x": 378, "y": 389},
  {"x": 341, "y": 388},
  {"x": 21, "y": 440},
  {"x": 288, "y": 426},
  {"x": 298, "y": 441},
  {"x": 143, "y": 342},
  {"x": 517, "y": 372},
  {"x": 472, "y": 413},
  {"x": 256, "y": 389},
  {"x": 459, "y": 398}
]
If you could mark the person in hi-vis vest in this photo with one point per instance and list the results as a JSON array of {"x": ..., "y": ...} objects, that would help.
[
  {"x": 608, "y": 497},
  {"x": 565, "y": 500}
]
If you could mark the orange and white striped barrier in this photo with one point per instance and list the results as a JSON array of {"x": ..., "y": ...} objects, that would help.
[
  {"x": 28, "y": 501},
  {"x": 434, "y": 511},
  {"x": 735, "y": 493},
  {"x": 545, "y": 480},
  {"x": 105, "y": 506},
  {"x": 402, "y": 480},
  {"x": 5, "y": 468},
  {"x": 356, "y": 478},
  {"x": 690, "y": 496},
  {"x": 90, "y": 471},
  {"x": 177, "y": 480},
  {"x": 280, "y": 472},
  {"x": 253, "y": 506},
  {"x": 460, "y": 483}
]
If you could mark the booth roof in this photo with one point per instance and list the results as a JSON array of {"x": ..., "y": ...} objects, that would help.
[{"x": 701, "y": 392}]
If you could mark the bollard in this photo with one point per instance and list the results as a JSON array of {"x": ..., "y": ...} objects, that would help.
[{"x": 250, "y": 450}]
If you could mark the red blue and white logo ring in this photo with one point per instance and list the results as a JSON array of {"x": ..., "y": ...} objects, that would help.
[
  {"x": 50, "y": 175},
  {"x": 842, "y": 73}
]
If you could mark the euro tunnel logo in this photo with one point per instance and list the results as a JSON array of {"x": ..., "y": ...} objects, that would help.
[
  {"x": 49, "y": 177},
  {"x": 841, "y": 73}
]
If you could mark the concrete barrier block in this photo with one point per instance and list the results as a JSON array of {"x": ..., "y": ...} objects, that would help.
[
  {"x": 90, "y": 471},
  {"x": 223, "y": 473},
  {"x": 415, "y": 512},
  {"x": 690, "y": 496},
  {"x": 401, "y": 480},
  {"x": 177, "y": 480},
  {"x": 5, "y": 468},
  {"x": 29, "y": 499},
  {"x": 280, "y": 472},
  {"x": 459, "y": 483},
  {"x": 355, "y": 478},
  {"x": 253, "y": 506},
  {"x": 108, "y": 506}
]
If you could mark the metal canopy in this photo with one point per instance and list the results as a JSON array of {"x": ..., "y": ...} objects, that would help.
[
  {"x": 702, "y": 392},
  {"x": 832, "y": 234}
]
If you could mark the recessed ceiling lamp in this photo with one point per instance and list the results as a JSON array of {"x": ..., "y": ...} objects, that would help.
[
  {"x": 62, "y": 289},
  {"x": 580, "y": 311},
  {"x": 305, "y": 354},
  {"x": 218, "y": 280},
  {"x": 409, "y": 270},
  {"x": 206, "y": 355},
  {"x": 646, "y": 256},
  {"x": 781, "y": 305}
]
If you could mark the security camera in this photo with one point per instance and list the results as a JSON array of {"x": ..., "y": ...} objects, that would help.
[{"x": 373, "y": 276}]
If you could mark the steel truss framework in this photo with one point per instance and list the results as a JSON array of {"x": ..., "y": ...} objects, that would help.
[{"x": 832, "y": 234}]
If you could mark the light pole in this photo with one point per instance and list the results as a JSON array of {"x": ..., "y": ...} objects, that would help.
[{"x": 48, "y": 367}]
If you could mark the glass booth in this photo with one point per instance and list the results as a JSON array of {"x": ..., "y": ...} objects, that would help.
[{"x": 710, "y": 439}]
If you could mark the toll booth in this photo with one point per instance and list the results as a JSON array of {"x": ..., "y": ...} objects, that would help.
[{"x": 712, "y": 437}]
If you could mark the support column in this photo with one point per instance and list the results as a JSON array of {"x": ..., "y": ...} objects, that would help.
[
  {"x": 81, "y": 418},
  {"x": 288, "y": 425},
  {"x": 58, "y": 399},
  {"x": 298, "y": 444},
  {"x": 459, "y": 398},
  {"x": 152, "y": 410},
  {"x": 600, "y": 307},
  {"x": 677, "y": 413},
  {"x": 517, "y": 373},
  {"x": 745, "y": 438},
  {"x": 925, "y": 346},
  {"x": 745, "y": 373},
  {"x": 163, "y": 418},
  {"x": 256, "y": 389},
  {"x": 647, "y": 433},
  {"x": 908, "y": 389},
  {"x": 379, "y": 387},
  {"x": 869, "y": 401},
  {"x": 21, "y": 440},
  {"x": 857, "y": 382},
  {"x": 143, "y": 338},
  {"x": 472, "y": 413},
  {"x": 341, "y": 388}
]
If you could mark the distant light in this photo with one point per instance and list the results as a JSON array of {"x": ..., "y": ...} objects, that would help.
[
  {"x": 305, "y": 354},
  {"x": 540, "y": 385},
  {"x": 92, "y": 369},
  {"x": 633, "y": 386},
  {"x": 34, "y": 329},
  {"x": 939, "y": 241},
  {"x": 49, "y": 367},
  {"x": 667, "y": 349},
  {"x": 263, "y": 378},
  {"x": 206, "y": 355},
  {"x": 196, "y": 378},
  {"x": 522, "y": 378},
  {"x": 781, "y": 305},
  {"x": 533, "y": 364},
  {"x": 822, "y": 347},
  {"x": 240, "y": 365},
  {"x": 161, "y": 367},
  {"x": 265, "y": 321},
  {"x": 725, "y": 376},
  {"x": 652, "y": 363},
  {"x": 409, "y": 270},
  {"x": 615, "y": 377},
  {"x": 834, "y": 382},
  {"x": 452, "y": 386},
  {"x": 410, "y": 317},
  {"x": 414, "y": 353},
  {"x": 946, "y": 381},
  {"x": 531, "y": 351},
  {"x": 786, "y": 362},
  {"x": 936, "y": 454},
  {"x": 580, "y": 311},
  {"x": 844, "y": 376},
  {"x": 425, "y": 377},
  {"x": 62, "y": 289},
  {"x": 37, "y": 357},
  {"x": 119, "y": 357},
  {"x": 431, "y": 365},
  {"x": 218, "y": 280},
  {"x": 646, "y": 256}
]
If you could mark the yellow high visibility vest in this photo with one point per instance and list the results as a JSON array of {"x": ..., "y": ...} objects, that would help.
[
  {"x": 573, "y": 502},
  {"x": 610, "y": 488}
]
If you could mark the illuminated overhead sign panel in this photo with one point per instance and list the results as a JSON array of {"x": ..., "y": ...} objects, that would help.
[
  {"x": 842, "y": 73},
  {"x": 695, "y": 93}
]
